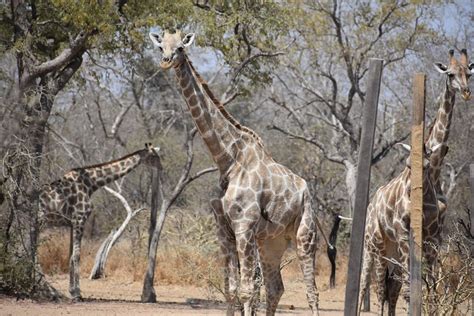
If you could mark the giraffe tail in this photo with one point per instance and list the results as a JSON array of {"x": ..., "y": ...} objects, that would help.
[{"x": 331, "y": 250}]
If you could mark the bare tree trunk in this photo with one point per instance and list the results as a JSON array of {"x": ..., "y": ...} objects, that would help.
[
  {"x": 158, "y": 199},
  {"x": 148, "y": 294}
]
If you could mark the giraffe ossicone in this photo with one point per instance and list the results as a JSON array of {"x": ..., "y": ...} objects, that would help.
[{"x": 262, "y": 204}]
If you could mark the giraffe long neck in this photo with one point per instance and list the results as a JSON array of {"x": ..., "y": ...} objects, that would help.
[
  {"x": 103, "y": 174},
  {"x": 219, "y": 133},
  {"x": 439, "y": 133}
]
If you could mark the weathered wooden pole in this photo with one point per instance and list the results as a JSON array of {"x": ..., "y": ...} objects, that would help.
[
  {"x": 416, "y": 212},
  {"x": 362, "y": 187}
]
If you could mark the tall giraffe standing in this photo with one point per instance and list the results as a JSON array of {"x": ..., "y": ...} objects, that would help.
[
  {"x": 69, "y": 197},
  {"x": 387, "y": 235},
  {"x": 262, "y": 204},
  {"x": 382, "y": 204}
]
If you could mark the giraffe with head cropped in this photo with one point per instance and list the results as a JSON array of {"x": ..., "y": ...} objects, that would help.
[
  {"x": 70, "y": 198},
  {"x": 262, "y": 204}
]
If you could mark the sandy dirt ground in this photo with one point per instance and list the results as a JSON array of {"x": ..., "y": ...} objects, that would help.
[{"x": 112, "y": 297}]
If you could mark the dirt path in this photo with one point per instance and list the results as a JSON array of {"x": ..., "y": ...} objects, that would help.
[{"x": 112, "y": 297}]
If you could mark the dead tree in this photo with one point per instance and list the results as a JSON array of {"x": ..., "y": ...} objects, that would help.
[{"x": 104, "y": 249}]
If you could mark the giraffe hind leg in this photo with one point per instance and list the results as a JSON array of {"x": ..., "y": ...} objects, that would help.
[
  {"x": 271, "y": 252},
  {"x": 306, "y": 252}
]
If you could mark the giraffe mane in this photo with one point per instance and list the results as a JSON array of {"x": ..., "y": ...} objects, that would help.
[
  {"x": 105, "y": 163},
  {"x": 221, "y": 108}
]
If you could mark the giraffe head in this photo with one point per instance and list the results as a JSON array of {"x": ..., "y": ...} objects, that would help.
[
  {"x": 172, "y": 47},
  {"x": 458, "y": 72},
  {"x": 149, "y": 155}
]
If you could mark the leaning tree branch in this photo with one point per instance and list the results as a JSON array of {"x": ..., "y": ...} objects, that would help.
[
  {"x": 386, "y": 149},
  {"x": 240, "y": 68},
  {"x": 103, "y": 252},
  {"x": 75, "y": 49},
  {"x": 319, "y": 145}
]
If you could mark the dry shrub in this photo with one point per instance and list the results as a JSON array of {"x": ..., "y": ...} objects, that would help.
[
  {"x": 449, "y": 288},
  {"x": 186, "y": 266},
  {"x": 53, "y": 252}
]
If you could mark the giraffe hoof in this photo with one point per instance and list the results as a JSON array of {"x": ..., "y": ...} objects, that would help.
[{"x": 77, "y": 299}]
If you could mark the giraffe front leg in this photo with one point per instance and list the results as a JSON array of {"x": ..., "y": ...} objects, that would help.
[
  {"x": 380, "y": 273},
  {"x": 228, "y": 247},
  {"x": 246, "y": 249},
  {"x": 80, "y": 215},
  {"x": 404, "y": 250},
  {"x": 367, "y": 265}
]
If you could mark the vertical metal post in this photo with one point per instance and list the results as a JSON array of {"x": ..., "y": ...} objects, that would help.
[
  {"x": 362, "y": 188},
  {"x": 471, "y": 207},
  {"x": 416, "y": 212},
  {"x": 471, "y": 219}
]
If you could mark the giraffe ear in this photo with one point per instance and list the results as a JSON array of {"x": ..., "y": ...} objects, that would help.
[
  {"x": 471, "y": 66},
  {"x": 405, "y": 146},
  {"x": 188, "y": 39},
  {"x": 441, "y": 67},
  {"x": 156, "y": 38}
]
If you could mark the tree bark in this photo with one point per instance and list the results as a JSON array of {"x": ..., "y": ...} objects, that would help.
[
  {"x": 157, "y": 200},
  {"x": 38, "y": 84}
]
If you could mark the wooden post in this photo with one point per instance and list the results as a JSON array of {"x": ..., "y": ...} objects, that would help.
[
  {"x": 416, "y": 212},
  {"x": 362, "y": 188}
]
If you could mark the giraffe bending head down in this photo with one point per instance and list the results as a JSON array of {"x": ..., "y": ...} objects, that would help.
[
  {"x": 70, "y": 198},
  {"x": 263, "y": 205},
  {"x": 387, "y": 235}
]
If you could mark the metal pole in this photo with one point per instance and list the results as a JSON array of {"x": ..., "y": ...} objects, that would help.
[
  {"x": 416, "y": 212},
  {"x": 471, "y": 219},
  {"x": 362, "y": 188}
]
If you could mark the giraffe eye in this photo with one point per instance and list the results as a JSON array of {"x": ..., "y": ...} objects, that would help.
[{"x": 451, "y": 75}]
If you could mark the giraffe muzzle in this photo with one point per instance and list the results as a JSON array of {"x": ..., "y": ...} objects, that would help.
[
  {"x": 466, "y": 94},
  {"x": 166, "y": 63}
]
